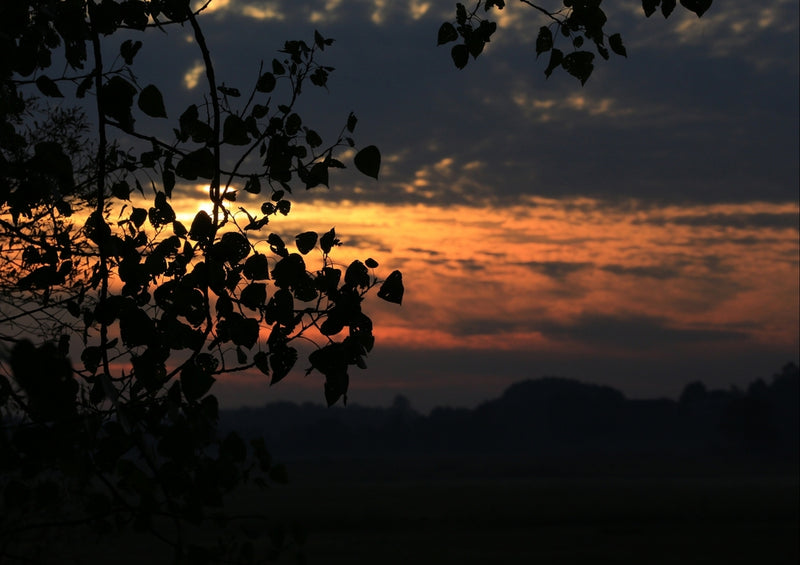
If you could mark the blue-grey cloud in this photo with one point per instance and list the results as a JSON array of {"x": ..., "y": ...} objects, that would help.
[
  {"x": 557, "y": 270},
  {"x": 633, "y": 331}
]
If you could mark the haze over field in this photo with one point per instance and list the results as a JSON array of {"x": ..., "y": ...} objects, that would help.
[{"x": 640, "y": 231}]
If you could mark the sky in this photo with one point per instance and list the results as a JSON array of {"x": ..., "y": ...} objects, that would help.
[{"x": 640, "y": 231}]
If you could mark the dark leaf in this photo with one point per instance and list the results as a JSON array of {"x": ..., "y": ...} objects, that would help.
[
  {"x": 261, "y": 362},
  {"x": 196, "y": 380},
  {"x": 280, "y": 308},
  {"x": 135, "y": 327},
  {"x": 356, "y": 275},
  {"x": 649, "y": 7},
  {"x": 168, "y": 178},
  {"x": 117, "y": 98},
  {"x": 544, "y": 41},
  {"x": 234, "y": 131},
  {"x": 277, "y": 68},
  {"x": 460, "y": 55},
  {"x": 48, "y": 87},
  {"x": 392, "y": 288},
  {"x": 129, "y": 49},
  {"x": 256, "y": 267},
  {"x": 667, "y": 6},
  {"x": 579, "y": 64},
  {"x": 202, "y": 227},
  {"x": 289, "y": 272},
  {"x": 318, "y": 175},
  {"x": 447, "y": 33},
  {"x": 319, "y": 41},
  {"x": 461, "y": 14},
  {"x": 615, "y": 42},
  {"x": 371, "y": 263},
  {"x": 254, "y": 295},
  {"x": 351, "y": 122},
  {"x": 368, "y": 161},
  {"x": 699, "y": 7},
  {"x": 121, "y": 190},
  {"x": 281, "y": 360},
  {"x": 253, "y": 185},
  {"x": 151, "y": 102},
  {"x": 266, "y": 83},
  {"x": 328, "y": 240},
  {"x": 229, "y": 91},
  {"x": 197, "y": 164},
  {"x": 556, "y": 56},
  {"x": 306, "y": 241},
  {"x": 313, "y": 139}
]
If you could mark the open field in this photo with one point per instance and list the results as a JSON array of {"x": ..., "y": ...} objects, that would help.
[
  {"x": 550, "y": 521},
  {"x": 350, "y": 519}
]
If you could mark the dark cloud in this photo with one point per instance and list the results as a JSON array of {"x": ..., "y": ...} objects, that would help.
[
  {"x": 557, "y": 270},
  {"x": 632, "y": 331},
  {"x": 649, "y": 271},
  {"x": 681, "y": 121},
  {"x": 741, "y": 221}
]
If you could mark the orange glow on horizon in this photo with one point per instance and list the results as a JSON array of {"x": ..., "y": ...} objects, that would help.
[{"x": 504, "y": 278}]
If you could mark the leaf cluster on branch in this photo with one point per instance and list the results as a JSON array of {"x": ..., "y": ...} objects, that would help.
[
  {"x": 577, "y": 24},
  {"x": 117, "y": 318}
]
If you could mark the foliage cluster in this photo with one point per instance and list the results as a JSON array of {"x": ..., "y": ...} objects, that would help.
[
  {"x": 578, "y": 24},
  {"x": 117, "y": 319},
  {"x": 96, "y": 265}
]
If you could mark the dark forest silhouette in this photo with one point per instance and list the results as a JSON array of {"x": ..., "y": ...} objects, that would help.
[{"x": 550, "y": 417}]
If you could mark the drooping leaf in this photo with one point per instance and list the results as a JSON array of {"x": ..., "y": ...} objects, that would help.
[
  {"x": 117, "y": 99},
  {"x": 202, "y": 227},
  {"x": 328, "y": 240},
  {"x": 196, "y": 379},
  {"x": 281, "y": 360},
  {"x": 313, "y": 139},
  {"x": 253, "y": 185},
  {"x": 699, "y": 7},
  {"x": 615, "y": 42},
  {"x": 261, "y": 361},
  {"x": 351, "y": 122},
  {"x": 289, "y": 271},
  {"x": 266, "y": 83},
  {"x": 544, "y": 41},
  {"x": 579, "y": 64},
  {"x": 254, "y": 295},
  {"x": 256, "y": 267},
  {"x": 368, "y": 161},
  {"x": 121, "y": 190},
  {"x": 48, "y": 87},
  {"x": 447, "y": 33},
  {"x": 392, "y": 288},
  {"x": 460, "y": 55},
  {"x": 356, "y": 275},
  {"x": 151, "y": 102},
  {"x": 135, "y": 327},
  {"x": 306, "y": 241},
  {"x": 649, "y": 6},
  {"x": 667, "y": 6},
  {"x": 129, "y": 49},
  {"x": 280, "y": 308},
  {"x": 197, "y": 164},
  {"x": 234, "y": 131},
  {"x": 556, "y": 56}
]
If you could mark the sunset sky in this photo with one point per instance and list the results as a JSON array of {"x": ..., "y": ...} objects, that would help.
[{"x": 640, "y": 231}]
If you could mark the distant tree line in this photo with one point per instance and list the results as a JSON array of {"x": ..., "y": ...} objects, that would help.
[{"x": 552, "y": 417}]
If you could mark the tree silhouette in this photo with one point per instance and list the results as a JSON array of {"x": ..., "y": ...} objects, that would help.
[
  {"x": 117, "y": 318},
  {"x": 96, "y": 265}
]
